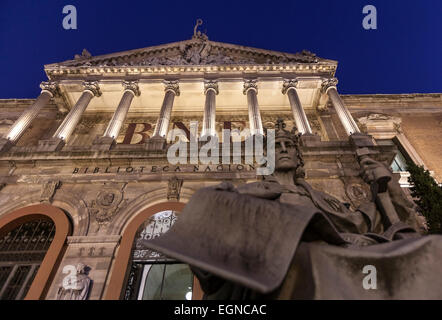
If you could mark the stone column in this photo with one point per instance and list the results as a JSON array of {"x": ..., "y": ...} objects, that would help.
[
  {"x": 130, "y": 90},
  {"x": 172, "y": 89},
  {"x": 113, "y": 129},
  {"x": 210, "y": 90},
  {"x": 69, "y": 124},
  {"x": 289, "y": 88},
  {"x": 71, "y": 121},
  {"x": 255, "y": 123},
  {"x": 329, "y": 87},
  {"x": 48, "y": 90}
]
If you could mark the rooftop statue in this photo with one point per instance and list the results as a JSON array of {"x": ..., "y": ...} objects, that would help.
[{"x": 281, "y": 239}]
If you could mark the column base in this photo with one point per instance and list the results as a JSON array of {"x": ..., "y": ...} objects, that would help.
[
  {"x": 103, "y": 143},
  {"x": 361, "y": 140},
  {"x": 5, "y": 144},
  {"x": 156, "y": 144},
  {"x": 310, "y": 140},
  {"x": 53, "y": 144}
]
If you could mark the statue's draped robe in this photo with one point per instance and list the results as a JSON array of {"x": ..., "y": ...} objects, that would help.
[{"x": 270, "y": 241}]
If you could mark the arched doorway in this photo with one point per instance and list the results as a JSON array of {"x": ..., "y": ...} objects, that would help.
[
  {"x": 152, "y": 275},
  {"x": 121, "y": 270},
  {"x": 31, "y": 244}
]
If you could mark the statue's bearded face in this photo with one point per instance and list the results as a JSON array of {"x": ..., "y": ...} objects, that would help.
[{"x": 286, "y": 155}]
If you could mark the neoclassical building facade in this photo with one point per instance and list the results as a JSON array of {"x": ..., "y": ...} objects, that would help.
[{"x": 84, "y": 173}]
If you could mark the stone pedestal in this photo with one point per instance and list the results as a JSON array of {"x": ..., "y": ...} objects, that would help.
[
  {"x": 53, "y": 144},
  {"x": 103, "y": 143},
  {"x": 310, "y": 140},
  {"x": 361, "y": 140},
  {"x": 5, "y": 145},
  {"x": 156, "y": 144}
]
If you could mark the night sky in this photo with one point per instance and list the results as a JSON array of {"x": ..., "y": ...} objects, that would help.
[{"x": 404, "y": 54}]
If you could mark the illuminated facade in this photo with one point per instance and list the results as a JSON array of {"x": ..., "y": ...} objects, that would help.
[{"x": 84, "y": 172}]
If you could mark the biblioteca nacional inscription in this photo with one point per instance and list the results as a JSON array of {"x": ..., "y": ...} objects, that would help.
[{"x": 164, "y": 169}]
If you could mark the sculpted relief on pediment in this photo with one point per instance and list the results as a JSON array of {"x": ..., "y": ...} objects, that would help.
[{"x": 196, "y": 52}]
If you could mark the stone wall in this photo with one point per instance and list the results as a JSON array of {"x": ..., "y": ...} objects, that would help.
[{"x": 425, "y": 134}]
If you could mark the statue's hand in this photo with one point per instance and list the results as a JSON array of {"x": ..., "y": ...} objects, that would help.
[
  {"x": 373, "y": 170},
  {"x": 225, "y": 186}
]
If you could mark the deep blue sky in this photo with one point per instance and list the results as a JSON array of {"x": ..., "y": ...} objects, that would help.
[{"x": 404, "y": 55}]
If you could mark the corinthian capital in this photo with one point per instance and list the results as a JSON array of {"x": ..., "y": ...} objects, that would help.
[
  {"x": 211, "y": 85},
  {"x": 50, "y": 86},
  {"x": 93, "y": 87},
  {"x": 172, "y": 85},
  {"x": 289, "y": 83},
  {"x": 250, "y": 84},
  {"x": 132, "y": 86},
  {"x": 328, "y": 83}
]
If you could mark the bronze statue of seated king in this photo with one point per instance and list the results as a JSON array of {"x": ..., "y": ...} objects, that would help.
[{"x": 281, "y": 239}]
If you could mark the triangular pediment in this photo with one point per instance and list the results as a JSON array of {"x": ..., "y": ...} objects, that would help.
[{"x": 197, "y": 51}]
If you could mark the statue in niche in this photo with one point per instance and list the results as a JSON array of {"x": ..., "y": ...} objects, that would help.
[
  {"x": 76, "y": 284},
  {"x": 281, "y": 239}
]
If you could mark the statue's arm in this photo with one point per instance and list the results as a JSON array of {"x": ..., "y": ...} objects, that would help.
[
  {"x": 261, "y": 189},
  {"x": 389, "y": 197}
]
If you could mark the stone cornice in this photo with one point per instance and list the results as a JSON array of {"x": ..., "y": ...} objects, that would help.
[
  {"x": 392, "y": 97},
  {"x": 148, "y": 71}
]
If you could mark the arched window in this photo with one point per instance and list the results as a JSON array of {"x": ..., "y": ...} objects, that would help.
[
  {"x": 22, "y": 251},
  {"x": 152, "y": 275}
]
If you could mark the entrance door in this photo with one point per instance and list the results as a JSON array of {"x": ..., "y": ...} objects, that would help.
[{"x": 152, "y": 275}]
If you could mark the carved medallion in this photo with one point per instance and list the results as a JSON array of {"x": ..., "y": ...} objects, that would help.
[
  {"x": 106, "y": 204},
  {"x": 357, "y": 191}
]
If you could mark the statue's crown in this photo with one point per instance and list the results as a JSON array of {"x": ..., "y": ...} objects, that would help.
[{"x": 281, "y": 132}]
